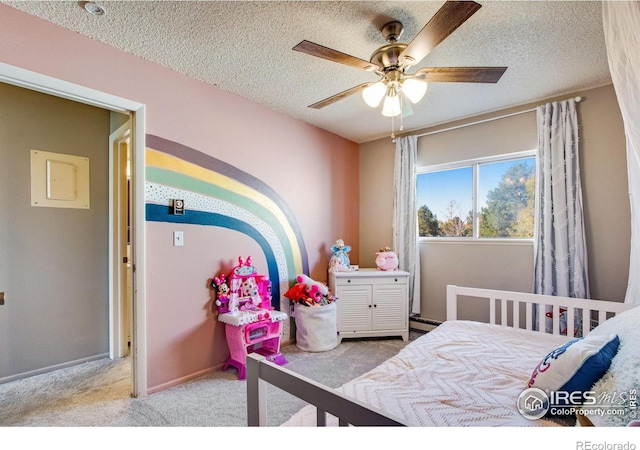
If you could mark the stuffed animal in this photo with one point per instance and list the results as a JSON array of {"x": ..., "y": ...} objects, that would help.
[
  {"x": 322, "y": 288},
  {"x": 297, "y": 293},
  {"x": 386, "y": 259},
  {"x": 341, "y": 252},
  {"x": 222, "y": 294},
  {"x": 336, "y": 265}
]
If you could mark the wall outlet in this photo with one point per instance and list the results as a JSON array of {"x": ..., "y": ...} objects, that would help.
[{"x": 178, "y": 238}]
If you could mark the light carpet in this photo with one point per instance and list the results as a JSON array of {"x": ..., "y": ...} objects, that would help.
[{"x": 97, "y": 394}]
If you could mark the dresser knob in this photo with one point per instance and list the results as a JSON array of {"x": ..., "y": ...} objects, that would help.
[
  {"x": 348, "y": 281},
  {"x": 396, "y": 280}
]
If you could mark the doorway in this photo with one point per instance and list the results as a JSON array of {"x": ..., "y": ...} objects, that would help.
[{"x": 137, "y": 111}]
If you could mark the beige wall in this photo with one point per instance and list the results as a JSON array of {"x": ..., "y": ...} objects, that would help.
[
  {"x": 53, "y": 261},
  {"x": 509, "y": 265}
]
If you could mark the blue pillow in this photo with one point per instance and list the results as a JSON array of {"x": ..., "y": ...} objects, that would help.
[{"x": 576, "y": 365}]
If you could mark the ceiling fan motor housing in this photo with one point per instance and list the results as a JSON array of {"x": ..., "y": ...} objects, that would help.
[{"x": 388, "y": 56}]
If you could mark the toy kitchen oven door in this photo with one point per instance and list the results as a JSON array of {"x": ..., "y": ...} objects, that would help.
[{"x": 251, "y": 323}]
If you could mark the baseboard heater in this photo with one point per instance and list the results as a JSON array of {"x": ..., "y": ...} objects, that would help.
[
  {"x": 422, "y": 324},
  {"x": 425, "y": 321}
]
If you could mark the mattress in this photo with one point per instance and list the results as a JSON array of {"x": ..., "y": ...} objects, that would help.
[{"x": 461, "y": 374}]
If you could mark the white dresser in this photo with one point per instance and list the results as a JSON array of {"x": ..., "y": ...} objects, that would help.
[{"x": 371, "y": 303}]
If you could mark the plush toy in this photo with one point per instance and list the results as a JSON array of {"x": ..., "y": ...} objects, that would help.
[
  {"x": 386, "y": 259},
  {"x": 297, "y": 293},
  {"x": 336, "y": 265},
  {"x": 341, "y": 252},
  {"x": 315, "y": 294},
  {"x": 322, "y": 288},
  {"x": 222, "y": 295}
]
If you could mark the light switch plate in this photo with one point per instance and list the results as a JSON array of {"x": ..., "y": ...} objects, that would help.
[{"x": 178, "y": 238}]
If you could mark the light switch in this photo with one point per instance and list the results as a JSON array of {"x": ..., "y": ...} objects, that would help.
[{"x": 178, "y": 238}]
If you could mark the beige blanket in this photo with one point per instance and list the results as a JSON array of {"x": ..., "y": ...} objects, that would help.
[{"x": 461, "y": 374}]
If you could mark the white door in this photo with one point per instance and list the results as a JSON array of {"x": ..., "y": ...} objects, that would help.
[{"x": 121, "y": 276}]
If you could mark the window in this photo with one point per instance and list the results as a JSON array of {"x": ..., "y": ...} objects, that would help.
[{"x": 487, "y": 198}]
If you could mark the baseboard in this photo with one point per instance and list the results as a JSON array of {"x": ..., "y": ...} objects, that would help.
[
  {"x": 181, "y": 380},
  {"x": 48, "y": 369}
]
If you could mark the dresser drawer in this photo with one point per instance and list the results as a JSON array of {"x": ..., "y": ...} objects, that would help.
[{"x": 371, "y": 280}]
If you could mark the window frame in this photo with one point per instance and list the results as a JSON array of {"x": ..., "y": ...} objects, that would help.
[{"x": 475, "y": 166}]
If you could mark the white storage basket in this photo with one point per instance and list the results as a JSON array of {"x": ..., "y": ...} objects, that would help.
[{"x": 316, "y": 327}]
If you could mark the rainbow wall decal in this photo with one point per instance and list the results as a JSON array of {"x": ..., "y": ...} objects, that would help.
[{"x": 220, "y": 195}]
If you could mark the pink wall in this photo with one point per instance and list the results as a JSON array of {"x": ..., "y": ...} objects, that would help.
[{"x": 183, "y": 338}]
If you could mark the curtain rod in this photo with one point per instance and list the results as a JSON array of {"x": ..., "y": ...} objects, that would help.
[{"x": 577, "y": 99}]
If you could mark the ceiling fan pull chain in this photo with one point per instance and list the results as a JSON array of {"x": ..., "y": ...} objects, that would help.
[
  {"x": 401, "y": 114},
  {"x": 393, "y": 129}
]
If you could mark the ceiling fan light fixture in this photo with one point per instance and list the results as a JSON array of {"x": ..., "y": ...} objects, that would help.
[
  {"x": 391, "y": 107},
  {"x": 374, "y": 93},
  {"x": 414, "y": 89}
]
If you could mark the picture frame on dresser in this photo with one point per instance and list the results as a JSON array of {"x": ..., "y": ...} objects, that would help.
[{"x": 371, "y": 303}]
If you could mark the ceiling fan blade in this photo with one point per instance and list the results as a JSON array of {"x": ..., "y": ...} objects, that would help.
[
  {"x": 340, "y": 96},
  {"x": 320, "y": 51},
  {"x": 462, "y": 74},
  {"x": 442, "y": 24}
]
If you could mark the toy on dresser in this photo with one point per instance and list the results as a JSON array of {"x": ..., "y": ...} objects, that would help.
[
  {"x": 339, "y": 260},
  {"x": 251, "y": 323},
  {"x": 386, "y": 259}
]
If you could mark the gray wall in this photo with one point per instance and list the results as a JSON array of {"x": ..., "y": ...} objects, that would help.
[
  {"x": 509, "y": 265},
  {"x": 53, "y": 261}
]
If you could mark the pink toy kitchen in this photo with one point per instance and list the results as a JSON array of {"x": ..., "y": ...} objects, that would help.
[{"x": 252, "y": 324}]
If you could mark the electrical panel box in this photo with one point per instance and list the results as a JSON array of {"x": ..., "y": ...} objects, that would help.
[{"x": 59, "y": 180}]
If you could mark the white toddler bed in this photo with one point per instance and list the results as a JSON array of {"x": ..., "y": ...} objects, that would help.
[{"x": 463, "y": 373}]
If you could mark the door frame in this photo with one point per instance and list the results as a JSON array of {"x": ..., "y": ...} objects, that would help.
[
  {"x": 49, "y": 85},
  {"x": 119, "y": 201}
]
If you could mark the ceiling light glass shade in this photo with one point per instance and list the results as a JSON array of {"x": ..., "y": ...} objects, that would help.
[
  {"x": 374, "y": 93},
  {"x": 414, "y": 89},
  {"x": 391, "y": 107}
]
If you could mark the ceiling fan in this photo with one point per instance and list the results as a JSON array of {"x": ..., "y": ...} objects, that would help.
[{"x": 391, "y": 61}]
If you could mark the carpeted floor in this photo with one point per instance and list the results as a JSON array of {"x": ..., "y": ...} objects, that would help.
[{"x": 97, "y": 394}]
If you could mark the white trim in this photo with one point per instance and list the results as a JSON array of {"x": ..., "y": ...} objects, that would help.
[
  {"x": 70, "y": 91},
  {"x": 478, "y": 161},
  {"x": 475, "y": 241},
  {"x": 116, "y": 349}
]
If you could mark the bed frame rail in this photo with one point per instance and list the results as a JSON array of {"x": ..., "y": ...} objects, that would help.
[
  {"x": 586, "y": 314},
  {"x": 349, "y": 411}
]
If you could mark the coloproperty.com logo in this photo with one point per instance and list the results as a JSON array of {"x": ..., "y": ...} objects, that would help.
[{"x": 534, "y": 403}]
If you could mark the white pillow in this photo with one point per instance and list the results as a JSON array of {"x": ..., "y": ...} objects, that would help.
[
  {"x": 623, "y": 377},
  {"x": 576, "y": 365}
]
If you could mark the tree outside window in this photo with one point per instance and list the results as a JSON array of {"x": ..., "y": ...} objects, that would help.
[{"x": 505, "y": 200}]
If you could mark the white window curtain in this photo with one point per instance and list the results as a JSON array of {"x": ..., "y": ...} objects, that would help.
[
  {"x": 560, "y": 249},
  {"x": 405, "y": 216},
  {"x": 621, "y": 22}
]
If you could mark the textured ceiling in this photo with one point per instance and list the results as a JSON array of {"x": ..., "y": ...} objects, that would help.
[{"x": 245, "y": 47}]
